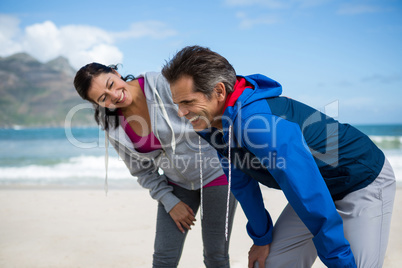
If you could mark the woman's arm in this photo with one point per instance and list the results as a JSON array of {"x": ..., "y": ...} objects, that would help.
[{"x": 148, "y": 177}]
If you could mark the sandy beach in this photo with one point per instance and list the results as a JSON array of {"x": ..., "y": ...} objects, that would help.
[{"x": 42, "y": 227}]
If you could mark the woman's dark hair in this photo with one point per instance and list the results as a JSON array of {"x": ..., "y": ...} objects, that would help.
[
  {"x": 82, "y": 83},
  {"x": 206, "y": 67}
]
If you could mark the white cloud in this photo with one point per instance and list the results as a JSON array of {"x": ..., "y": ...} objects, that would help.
[
  {"x": 151, "y": 28},
  {"x": 311, "y": 3},
  {"x": 8, "y": 26},
  {"x": 42, "y": 41},
  {"x": 105, "y": 54},
  {"x": 341, "y": 107},
  {"x": 383, "y": 79},
  {"x": 80, "y": 44},
  {"x": 247, "y": 22},
  {"x": 45, "y": 41},
  {"x": 9, "y": 31},
  {"x": 83, "y": 44},
  {"x": 274, "y": 4},
  {"x": 353, "y": 9},
  {"x": 359, "y": 102},
  {"x": 83, "y": 36}
]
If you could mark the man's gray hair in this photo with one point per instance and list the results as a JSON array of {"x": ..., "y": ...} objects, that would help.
[{"x": 207, "y": 68}]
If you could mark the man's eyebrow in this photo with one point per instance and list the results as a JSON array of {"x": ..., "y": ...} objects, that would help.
[{"x": 187, "y": 100}]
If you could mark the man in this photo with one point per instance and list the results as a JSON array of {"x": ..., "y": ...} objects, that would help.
[{"x": 339, "y": 185}]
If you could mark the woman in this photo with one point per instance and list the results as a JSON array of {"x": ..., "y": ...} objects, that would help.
[{"x": 141, "y": 122}]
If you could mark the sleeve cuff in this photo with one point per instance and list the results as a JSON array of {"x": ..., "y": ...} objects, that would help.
[
  {"x": 266, "y": 238},
  {"x": 169, "y": 200}
]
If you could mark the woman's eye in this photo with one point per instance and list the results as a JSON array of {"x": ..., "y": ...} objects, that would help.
[{"x": 111, "y": 85}]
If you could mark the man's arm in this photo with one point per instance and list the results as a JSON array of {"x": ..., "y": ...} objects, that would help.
[
  {"x": 247, "y": 191},
  {"x": 294, "y": 168},
  {"x": 259, "y": 227}
]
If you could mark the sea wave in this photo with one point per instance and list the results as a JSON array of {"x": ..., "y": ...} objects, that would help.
[
  {"x": 395, "y": 160},
  {"x": 387, "y": 142},
  {"x": 79, "y": 169},
  {"x": 89, "y": 170}
]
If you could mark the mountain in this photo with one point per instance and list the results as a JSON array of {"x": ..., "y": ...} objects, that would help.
[
  {"x": 36, "y": 94},
  {"x": 61, "y": 64}
]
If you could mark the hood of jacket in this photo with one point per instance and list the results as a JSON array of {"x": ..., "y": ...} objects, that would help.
[
  {"x": 179, "y": 157},
  {"x": 259, "y": 87}
]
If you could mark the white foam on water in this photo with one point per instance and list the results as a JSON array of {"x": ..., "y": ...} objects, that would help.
[
  {"x": 80, "y": 167},
  {"x": 92, "y": 168},
  {"x": 396, "y": 162}
]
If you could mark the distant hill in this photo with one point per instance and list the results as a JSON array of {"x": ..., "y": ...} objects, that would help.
[{"x": 38, "y": 94}]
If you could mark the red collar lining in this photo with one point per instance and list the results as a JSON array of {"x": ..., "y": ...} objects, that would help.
[{"x": 239, "y": 87}]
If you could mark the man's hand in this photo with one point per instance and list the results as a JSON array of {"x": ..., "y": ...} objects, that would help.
[
  {"x": 258, "y": 254},
  {"x": 183, "y": 216}
]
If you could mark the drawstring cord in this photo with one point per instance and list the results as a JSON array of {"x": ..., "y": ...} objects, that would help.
[
  {"x": 106, "y": 161},
  {"x": 201, "y": 179},
  {"x": 160, "y": 102},
  {"x": 229, "y": 185}
]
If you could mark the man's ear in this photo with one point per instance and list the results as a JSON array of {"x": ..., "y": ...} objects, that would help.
[{"x": 220, "y": 91}]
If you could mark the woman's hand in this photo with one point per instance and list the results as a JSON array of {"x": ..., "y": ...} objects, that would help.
[
  {"x": 258, "y": 254},
  {"x": 183, "y": 216}
]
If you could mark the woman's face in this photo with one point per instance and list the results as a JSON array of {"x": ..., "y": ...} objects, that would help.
[{"x": 110, "y": 91}]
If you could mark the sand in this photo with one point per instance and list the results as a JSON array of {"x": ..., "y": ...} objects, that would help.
[{"x": 42, "y": 227}]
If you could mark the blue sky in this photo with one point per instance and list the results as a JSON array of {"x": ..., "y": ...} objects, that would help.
[{"x": 342, "y": 57}]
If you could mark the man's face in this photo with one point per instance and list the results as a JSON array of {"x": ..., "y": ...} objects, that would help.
[{"x": 201, "y": 111}]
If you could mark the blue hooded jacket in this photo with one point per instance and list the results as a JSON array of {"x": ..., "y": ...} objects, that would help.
[{"x": 312, "y": 158}]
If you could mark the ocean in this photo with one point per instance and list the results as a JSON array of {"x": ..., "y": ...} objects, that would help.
[
  {"x": 75, "y": 158},
  {"x": 56, "y": 157}
]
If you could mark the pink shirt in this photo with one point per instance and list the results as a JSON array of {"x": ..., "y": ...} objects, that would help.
[{"x": 144, "y": 144}]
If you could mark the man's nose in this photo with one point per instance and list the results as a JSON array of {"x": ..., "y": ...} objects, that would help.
[{"x": 182, "y": 112}]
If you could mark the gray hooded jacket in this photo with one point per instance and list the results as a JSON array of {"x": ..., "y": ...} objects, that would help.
[{"x": 179, "y": 160}]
